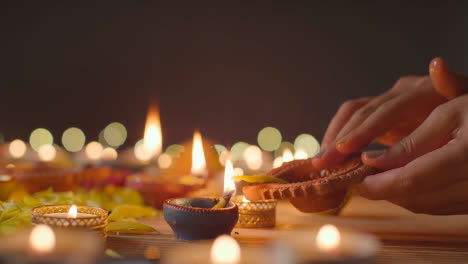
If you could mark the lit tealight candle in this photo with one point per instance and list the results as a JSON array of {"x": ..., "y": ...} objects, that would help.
[
  {"x": 42, "y": 240},
  {"x": 225, "y": 250},
  {"x": 328, "y": 239},
  {"x": 72, "y": 213}
]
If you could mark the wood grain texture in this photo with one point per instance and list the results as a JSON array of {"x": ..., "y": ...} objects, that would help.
[{"x": 406, "y": 237}]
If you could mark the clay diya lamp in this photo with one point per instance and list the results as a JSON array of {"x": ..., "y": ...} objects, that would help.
[
  {"x": 309, "y": 189},
  {"x": 195, "y": 218}
]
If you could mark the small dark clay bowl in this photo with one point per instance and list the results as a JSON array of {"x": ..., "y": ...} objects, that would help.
[{"x": 193, "y": 218}]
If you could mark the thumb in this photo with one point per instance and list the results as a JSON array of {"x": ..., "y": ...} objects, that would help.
[
  {"x": 447, "y": 82},
  {"x": 433, "y": 133}
]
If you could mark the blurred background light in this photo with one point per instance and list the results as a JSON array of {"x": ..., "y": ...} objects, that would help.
[
  {"x": 287, "y": 155},
  {"x": 307, "y": 143},
  {"x": 141, "y": 153},
  {"x": 175, "y": 150},
  {"x": 220, "y": 148},
  {"x": 223, "y": 157},
  {"x": 269, "y": 138},
  {"x": 300, "y": 154},
  {"x": 238, "y": 171},
  {"x": 284, "y": 145},
  {"x": 73, "y": 139},
  {"x": 253, "y": 157},
  {"x": 109, "y": 154},
  {"x": 17, "y": 148},
  {"x": 277, "y": 162},
  {"x": 47, "y": 152},
  {"x": 94, "y": 150},
  {"x": 237, "y": 151},
  {"x": 39, "y": 137},
  {"x": 115, "y": 134},
  {"x": 164, "y": 161}
]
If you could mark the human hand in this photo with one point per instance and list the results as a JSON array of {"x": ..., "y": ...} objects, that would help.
[
  {"x": 427, "y": 171},
  {"x": 389, "y": 117}
]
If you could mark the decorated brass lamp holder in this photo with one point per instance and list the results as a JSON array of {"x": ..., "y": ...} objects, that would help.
[{"x": 256, "y": 214}]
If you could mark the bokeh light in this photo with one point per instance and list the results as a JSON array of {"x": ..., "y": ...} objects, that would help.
[
  {"x": 39, "y": 137},
  {"x": 300, "y": 154},
  {"x": 253, "y": 157},
  {"x": 175, "y": 150},
  {"x": 94, "y": 150},
  {"x": 287, "y": 155},
  {"x": 164, "y": 161},
  {"x": 73, "y": 139},
  {"x": 238, "y": 171},
  {"x": 109, "y": 154},
  {"x": 220, "y": 148},
  {"x": 307, "y": 143},
  {"x": 17, "y": 148},
  {"x": 115, "y": 134},
  {"x": 142, "y": 153},
  {"x": 269, "y": 138},
  {"x": 284, "y": 145},
  {"x": 277, "y": 162},
  {"x": 237, "y": 151},
  {"x": 223, "y": 157},
  {"x": 47, "y": 152}
]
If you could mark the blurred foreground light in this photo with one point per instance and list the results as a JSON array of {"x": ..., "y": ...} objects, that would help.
[
  {"x": 174, "y": 150},
  {"x": 17, "y": 148},
  {"x": 164, "y": 161},
  {"x": 253, "y": 157},
  {"x": 307, "y": 143},
  {"x": 300, "y": 154},
  {"x": 73, "y": 139},
  {"x": 225, "y": 250},
  {"x": 47, "y": 152},
  {"x": 277, "y": 162},
  {"x": 115, "y": 134},
  {"x": 39, "y": 137},
  {"x": 237, "y": 151},
  {"x": 94, "y": 150},
  {"x": 109, "y": 154},
  {"x": 220, "y": 148},
  {"x": 269, "y": 138},
  {"x": 42, "y": 239}
]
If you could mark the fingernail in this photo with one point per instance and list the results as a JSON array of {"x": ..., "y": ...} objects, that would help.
[
  {"x": 343, "y": 139},
  {"x": 373, "y": 154}
]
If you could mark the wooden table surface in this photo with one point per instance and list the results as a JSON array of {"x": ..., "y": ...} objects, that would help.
[{"x": 405, "y": 237}]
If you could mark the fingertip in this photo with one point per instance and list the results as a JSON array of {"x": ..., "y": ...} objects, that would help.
[{"x": 436, "y": 64}]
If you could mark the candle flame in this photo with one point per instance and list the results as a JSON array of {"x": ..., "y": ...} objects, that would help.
[
  {"x": 152, "y": 140},
  {"x": 228, "y": 174},
  {"x": 73, "y": 212},
  {"x": 287, "y": 155},
  {"x": 42, "y": 239},
  {"x": 245, "y": 200},
  {"x": 225, "y": 250},
  {"x": 328, "y": 238},
  {"x": 198, "y": 156}
]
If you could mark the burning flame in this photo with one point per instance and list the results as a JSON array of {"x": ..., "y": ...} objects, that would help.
[
  {"x": 244, "y": 200},
  {"x": 287, "y": 155},
  {"x": 73, "y": 212},
  {"x": 328, "y": 238},
  {"x": 228, "y": 174},
  {"x": 198, "y": 156},
  {"x": 152, "y": 140},
  {"x": 225, "y": 250},
  {"x": 42, "y": 239}
]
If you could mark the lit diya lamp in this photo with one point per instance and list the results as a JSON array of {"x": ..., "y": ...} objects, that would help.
[
  {"x": 42, "y": 244},
  {"x": 71, "y": 217},
  {"x": 203, "y": 218},
  {"x": 331, "y": 245}
]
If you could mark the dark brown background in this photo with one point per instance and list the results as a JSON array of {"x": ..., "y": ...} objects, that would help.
[{"x": 226, "y": 68}]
